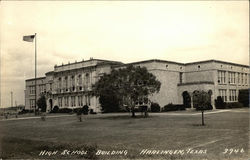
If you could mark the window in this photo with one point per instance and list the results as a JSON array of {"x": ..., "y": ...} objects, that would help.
[
  {"x": 32, "y": 89},
  {"x": 59, "y": 83},
  {"x": 79, "y": 83},
  {"x": 232, "y": 95},
  {"x": 181, "y": 74},
  {"x": 66, "y": 82},
  {"x": 221, "y": 77},
  {"x": 87, "y": 100},
  {"x": 87, "y": 81},
  {"x": 246, "y": 78},
  {"x": 60, "y": 101},
  {"x": 238, "y": 78},
  {"x": 79, "y": 100},
  {"x": 231, "y": 77},
  {"x": 72, "y": 81},
  {"x": 223, "y": 94},
  {"x": 66, "y": 101},
  {"x": 73, "y": 102},
  {"x": 32, "y": 103},
  {"x": 242, "y": 79}
]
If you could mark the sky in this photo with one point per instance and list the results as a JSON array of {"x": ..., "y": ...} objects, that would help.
[{"x": 126, "y": 31}]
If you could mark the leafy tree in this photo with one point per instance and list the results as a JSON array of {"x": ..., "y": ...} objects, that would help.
[
  {"x": 244, "y": 97},
  {"x": 202, "y": 101},
  {"x": 219, "y": 103},
  {"x": 85, "y": 109},
  {"x": 125, "y": 86},
  {"x": 41, "y": 103},
  {"x": 109, "y": 103}
]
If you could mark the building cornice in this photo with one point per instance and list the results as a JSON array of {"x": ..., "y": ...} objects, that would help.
[
  {"x": 32, "y": 79},
  {"x": 195, "y": 83},
  {"x": 217, "y": 61}
]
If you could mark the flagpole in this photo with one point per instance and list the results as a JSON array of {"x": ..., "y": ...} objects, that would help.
[{"x": 35, "y": 71}]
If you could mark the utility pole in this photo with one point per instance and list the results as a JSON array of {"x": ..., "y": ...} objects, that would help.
[
  {"x": 30, "y": 38},
  {"x": 11, "y": 97},
  {"x": 35, "y": 69}
]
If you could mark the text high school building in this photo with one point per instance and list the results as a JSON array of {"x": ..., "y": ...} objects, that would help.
[{"x": 70, "y": 85}]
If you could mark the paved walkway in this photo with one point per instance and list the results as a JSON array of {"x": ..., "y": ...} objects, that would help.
[
  {"x": 181, "y": 113},
  {"x": 190, "y": 113},
  {"x": 36, "y": 117}
]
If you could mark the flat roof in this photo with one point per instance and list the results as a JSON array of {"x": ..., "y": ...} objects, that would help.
[
  {"x": 151, "y": 60},
  {"x": 190, "y": 63},
  {"x": 31, "y": 79},
  {"x": 218, "y": 61},
  {"x": 102, "y": 60}
]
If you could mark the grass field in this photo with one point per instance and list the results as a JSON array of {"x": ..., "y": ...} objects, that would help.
[{"x": 128, "y": 138}]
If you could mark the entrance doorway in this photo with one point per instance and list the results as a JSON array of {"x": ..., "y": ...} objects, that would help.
[
  {"x": 186, "y": 99},
  {"x": 51, "y": 104}
]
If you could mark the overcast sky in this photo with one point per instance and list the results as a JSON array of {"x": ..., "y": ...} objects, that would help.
[{"x": 126, "y": 31}]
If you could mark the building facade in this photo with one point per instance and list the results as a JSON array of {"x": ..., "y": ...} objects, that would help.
[{"x": 70, "y": 85}]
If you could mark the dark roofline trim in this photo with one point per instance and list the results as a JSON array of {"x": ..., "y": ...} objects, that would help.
[
  {"x": 150, "y": 61},
  {"x": 89, "y": 67},
  {"x": 217, "y": 61},
  {"x": 31, "y": 79},
  {"x": 184, "y": 64},
  {"x": 195, "y": 83},
  {"x": 51, "y": 72},
  {"x": 56, "y": 66}
]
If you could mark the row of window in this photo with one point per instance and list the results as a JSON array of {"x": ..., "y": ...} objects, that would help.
[
  {"x": 73, "y": 81},
  {"x": 41, "y": 88},
  {"x": 70, "y": 101},
  {"x": 232, "y": 95},
  {"x": 233, "y": 78},
  {"x": 32, "y": 103}
]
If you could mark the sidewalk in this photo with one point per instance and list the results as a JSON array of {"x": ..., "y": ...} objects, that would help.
[{"x": 173, "y": 113}]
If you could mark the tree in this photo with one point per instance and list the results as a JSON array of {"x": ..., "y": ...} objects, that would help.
[
  {"x": 219, "y": 103},
  {"x": 244, "y": 97},
  {"x": 41, "y": 103},
  {"x": 202, "y": 101},
  {"x": 125, "y": 86}
]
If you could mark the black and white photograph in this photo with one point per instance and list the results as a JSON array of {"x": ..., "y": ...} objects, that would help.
[{"x": 116, "y": 80}]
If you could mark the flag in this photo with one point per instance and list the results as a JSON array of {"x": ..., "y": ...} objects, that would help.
[{"x": 29, "y": 38}]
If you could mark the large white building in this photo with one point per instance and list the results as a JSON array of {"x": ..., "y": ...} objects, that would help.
[{"x": 69, "y": 85}]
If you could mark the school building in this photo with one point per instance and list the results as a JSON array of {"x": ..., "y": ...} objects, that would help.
[{"x": 70, "y": 85}]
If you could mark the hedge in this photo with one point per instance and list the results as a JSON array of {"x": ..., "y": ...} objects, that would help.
[
  {"x": 173, "y": 107},
  {"x": 155, "y": 107},
  {"x": 244, "y": 97}
]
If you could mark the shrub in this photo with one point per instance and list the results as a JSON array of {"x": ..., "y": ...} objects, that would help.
[
  {"x": 219, "y": 103},
  {"x": 85, "y": 109},
  {"x": 92, "y": 111},
  {"x": 234, "y": 105},
  {"x": 244, "y": 97},
  {"x": 173, "y": 107},
  {"x": 41, "y": 103},
  {"x": 230, "y": 105},
  {"x": 206, "y": 107},
  {"x": 78, "y": 111},
  {"x": 23, "y": 111},
  {"x": 65, "y": 110},
  {"x": 155, "y": 107},
  {"x": 55, "y": 109}
]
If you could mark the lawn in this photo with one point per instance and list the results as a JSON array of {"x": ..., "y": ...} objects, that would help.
[{"x": 161, "y": 136}]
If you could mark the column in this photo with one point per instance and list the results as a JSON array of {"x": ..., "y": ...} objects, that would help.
[{"x": 192, "y": 104}]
